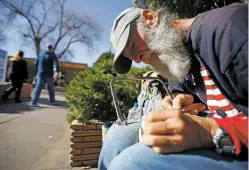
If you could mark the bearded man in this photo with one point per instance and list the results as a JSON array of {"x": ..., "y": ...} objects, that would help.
[{"x": 206, "y": 60}]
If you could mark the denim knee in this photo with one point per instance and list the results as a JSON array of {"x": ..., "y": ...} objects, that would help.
[
  {"x": 135, "y": 157},
  {"x": 142, "y": 157},
  {"x": 116, "y": 140}
]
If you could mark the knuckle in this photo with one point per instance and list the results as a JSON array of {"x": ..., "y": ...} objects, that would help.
[
  {"x": 166, "y": 98},
  {"x": 177, "y": 99},
  {"x": 180, "y": 96},
  {"x": 181, "y": 125},
  {"x": 174, "y": 94},
  {"x": 149, "y": 129},
  {"x": 176, "y": 104},
  {"x": 165, "y": 140},
  {"x": 164, "y": 128},
  {"x": 154, "y": 141},
  {"x": 178, "y": 140},
  {"x": 178, "y": 113},
  {"x": 166, "y": 103},
  {"x": 150, "y": 117},
  {"x": 158, "y": 149},
  {"x": 189, "y": 96}
]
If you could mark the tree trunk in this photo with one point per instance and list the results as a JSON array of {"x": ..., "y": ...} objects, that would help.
[{"x": 37, "y": 46}]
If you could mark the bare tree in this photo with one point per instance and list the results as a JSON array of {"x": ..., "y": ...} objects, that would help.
[
  {"x": 3, "y": 22},
  {"x": 49, "y": 21}
]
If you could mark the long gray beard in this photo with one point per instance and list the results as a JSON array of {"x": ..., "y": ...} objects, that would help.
[{"x": 173, "y": 60}]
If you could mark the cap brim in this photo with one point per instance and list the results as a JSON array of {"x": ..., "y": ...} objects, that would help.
[{"x": 121, "y": 63}]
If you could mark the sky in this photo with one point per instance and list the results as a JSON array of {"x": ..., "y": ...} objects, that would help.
[{"x": 103, "y": 12}]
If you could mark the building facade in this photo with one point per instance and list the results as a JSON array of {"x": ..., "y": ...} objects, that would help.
[{"x": 67, "y": 69}]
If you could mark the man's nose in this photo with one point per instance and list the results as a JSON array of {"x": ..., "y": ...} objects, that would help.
[{"x": 137, "y": 59}]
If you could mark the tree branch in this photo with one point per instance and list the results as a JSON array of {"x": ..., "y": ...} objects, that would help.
[
  {"x": 64, "y": 28},
  {"x": 61, "y": 4},
  {"x": 67, "y": 47},
  {"x": 30, "y": 7},
  {"x": 36, "y": 19},
  {"x": 28, "y": 35},
  {"x": 45, "y": 15},
  {"x": 49, "y": 31},
  {"x": 18, "y": 11}
]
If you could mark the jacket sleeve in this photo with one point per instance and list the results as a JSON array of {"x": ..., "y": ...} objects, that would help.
[
  {"x": 237, "y": 127},
  {"x": 237, "y": 74}
]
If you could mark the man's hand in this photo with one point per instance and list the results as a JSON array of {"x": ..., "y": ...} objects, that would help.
[
  {"x": 179, "y": 100},
  {"x": 184, "y": 102},
  {"x": 55, "y": 76},
  {"x": 170, "y": 131}
]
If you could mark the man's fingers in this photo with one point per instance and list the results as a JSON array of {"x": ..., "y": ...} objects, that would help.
[
  {"x": 181, "y": 100},
  {"x": 162, "y": 115},
  {"x": 170, "y": 126},
  {"x": 193, "y": 112},
  {"x": 166, "y": 103},
  {"x": 152, "y": 140},
  {"x": 194, "y": 108},
  {"x": 173, "y": 95}
]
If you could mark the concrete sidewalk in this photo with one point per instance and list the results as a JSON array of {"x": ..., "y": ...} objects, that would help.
[{"x": 34, "y": 138}]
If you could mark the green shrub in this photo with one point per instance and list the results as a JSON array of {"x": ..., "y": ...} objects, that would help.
[{"x": 89, "y": 96}]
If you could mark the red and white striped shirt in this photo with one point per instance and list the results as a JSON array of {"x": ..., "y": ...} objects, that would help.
[
  {"x": 235, "y": 122},
  {"x": 215, "y": 99}
]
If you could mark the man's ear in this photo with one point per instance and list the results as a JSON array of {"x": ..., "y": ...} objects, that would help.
[{"x": 150, "y": 18}]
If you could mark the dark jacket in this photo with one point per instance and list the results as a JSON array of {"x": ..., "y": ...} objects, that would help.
[
  {"x": 47, "y": 64},
  {"x": 17, "y": 70},
  {"x": 218, "y": 39}
]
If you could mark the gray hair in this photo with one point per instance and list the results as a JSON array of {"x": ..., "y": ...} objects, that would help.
[
  {"x": 139, "y": 22},
  {"x": 173, "y": 58}
]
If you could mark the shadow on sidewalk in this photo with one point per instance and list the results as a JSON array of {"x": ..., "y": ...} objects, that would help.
[
  {"x": 10, "y": 107},
  {"x": 59, "y": 103},
  {"x": 14, "y": 108}
]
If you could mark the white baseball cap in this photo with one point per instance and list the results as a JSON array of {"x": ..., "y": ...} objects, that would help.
[{"x": 119, "y": 36}]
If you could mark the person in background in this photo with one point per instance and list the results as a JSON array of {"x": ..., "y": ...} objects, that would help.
[
  {"x": 17, "y": 73},
  {"x": 205, "y": 60},
  {"x": 47, "y": 71}
]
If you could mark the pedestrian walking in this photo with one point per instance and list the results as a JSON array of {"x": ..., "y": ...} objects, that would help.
[
  {"x": 17, "y": 73},
  {"x": 47, "y": 71}
]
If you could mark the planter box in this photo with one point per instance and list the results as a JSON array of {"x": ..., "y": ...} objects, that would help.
[{"x": 86, "y": 143}]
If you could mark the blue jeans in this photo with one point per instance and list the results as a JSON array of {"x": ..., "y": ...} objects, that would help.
[
  {"x": 38, "y": 87},
  {"x": 121, "y": 151}
]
